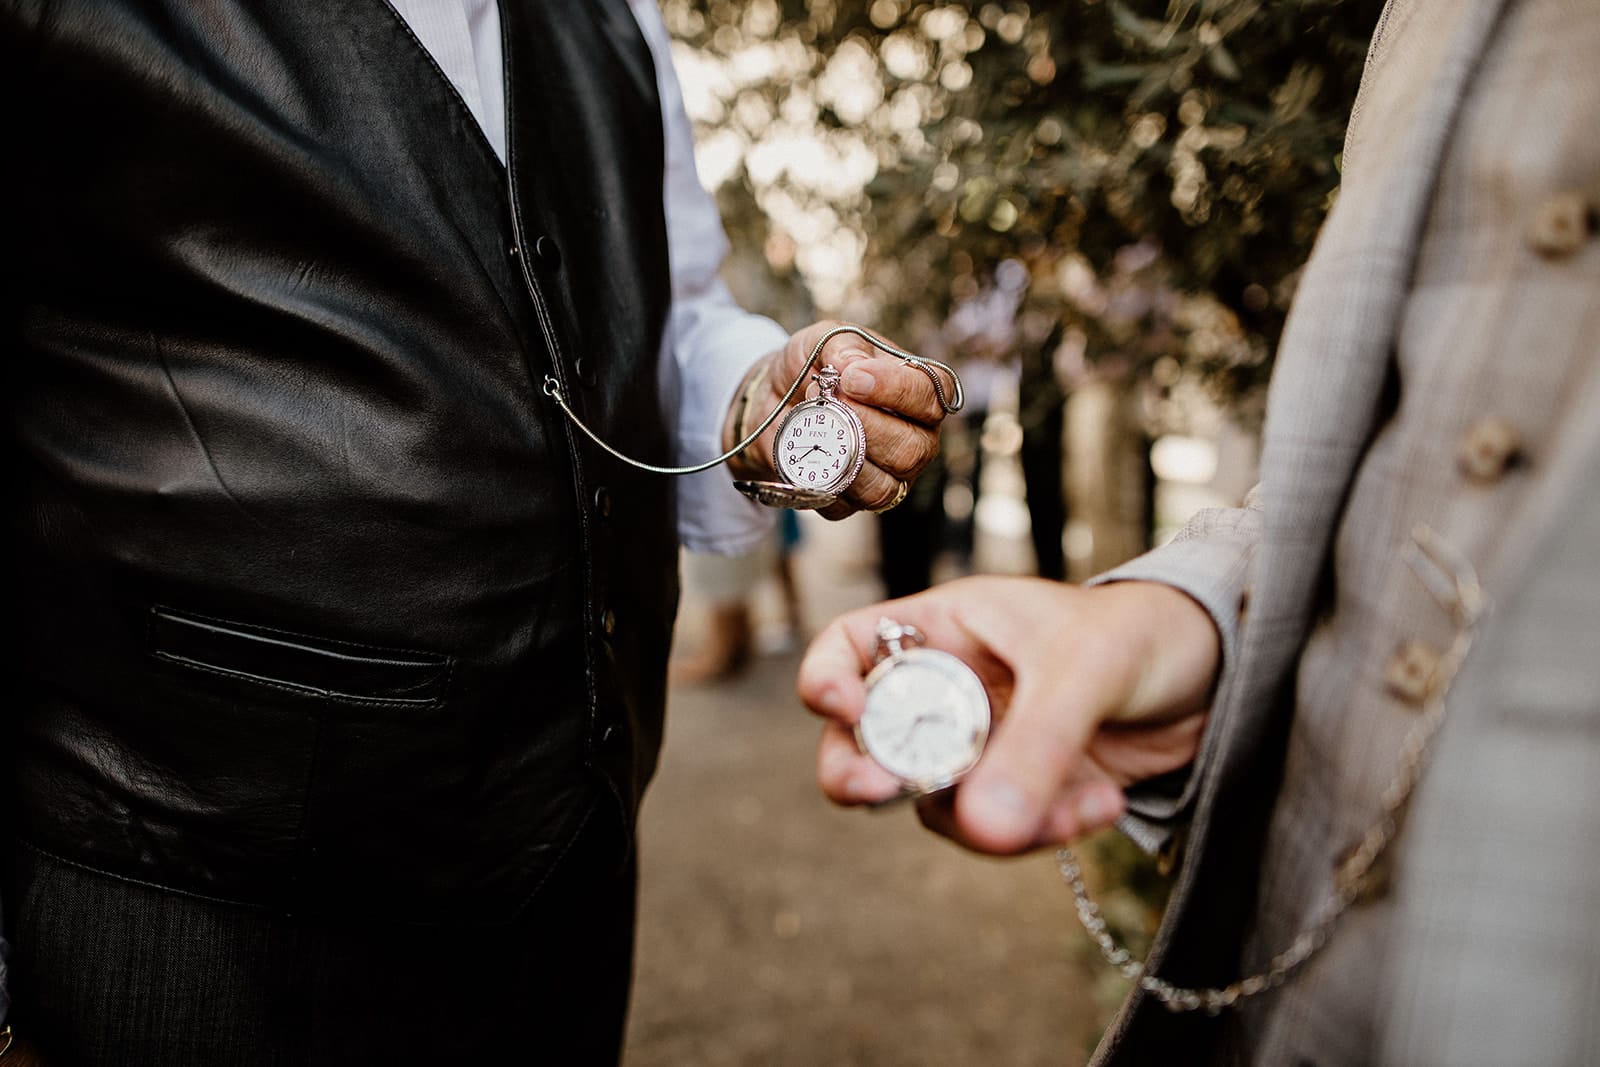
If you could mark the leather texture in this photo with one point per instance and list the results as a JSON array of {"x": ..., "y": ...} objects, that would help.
[{"x": 324, "y": 607}]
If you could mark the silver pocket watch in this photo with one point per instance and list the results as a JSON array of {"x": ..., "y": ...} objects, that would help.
[
  {"x": 818, "y": 451},
  {"x": 927, "y": 715},
  {"x": 814, "y": 470}
]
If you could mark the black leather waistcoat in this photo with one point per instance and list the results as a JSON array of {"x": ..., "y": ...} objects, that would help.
[{"x": 323, "y": 604}]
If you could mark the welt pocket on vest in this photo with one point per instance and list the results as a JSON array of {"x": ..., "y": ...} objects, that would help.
[{"x": 317, "y": 667}]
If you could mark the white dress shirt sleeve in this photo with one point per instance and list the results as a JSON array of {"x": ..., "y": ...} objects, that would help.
[{"x": 710, "y": 341}]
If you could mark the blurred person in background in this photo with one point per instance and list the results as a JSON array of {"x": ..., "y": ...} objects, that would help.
[
  {"x": 940, "y": 514},
  {"x": 1042, "y": 411},
  {"x": 344, "y": 652},
  {"x": 730, "y": 585},
  {"x": 1362, "y": 711}
]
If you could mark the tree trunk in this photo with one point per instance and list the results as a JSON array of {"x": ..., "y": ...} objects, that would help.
[{"x": 1109, "y": 481}]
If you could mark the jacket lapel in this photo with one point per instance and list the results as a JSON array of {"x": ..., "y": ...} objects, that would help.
[{"x": 1322, "y": 412}]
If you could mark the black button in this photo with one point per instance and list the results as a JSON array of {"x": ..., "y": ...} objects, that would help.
[
  {"x": 602, "y": 502},
  {"x": 607, "y": 734},
  {"x": 547, "y": 253},
  {"x": 513, "y": 251},
  {"x": 586, "y": 371},
  {"x": 608, "y": 621}
]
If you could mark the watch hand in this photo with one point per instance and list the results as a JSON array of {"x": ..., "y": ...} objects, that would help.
[
  {"x": 920, "y": 718},
  {"x": 910, "y": 732}
]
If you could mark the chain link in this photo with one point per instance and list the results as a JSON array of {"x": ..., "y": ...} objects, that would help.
[{"x": 1450, "y": 577}]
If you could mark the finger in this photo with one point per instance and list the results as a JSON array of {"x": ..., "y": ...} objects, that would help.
[
  {"x": 893, "y": 385},
  {"x": 894, "y": 445},
  {"x": 1038, "y": 747},
  {"x": 839, "y": 509},
  {"x": 845, "y": 775},
  {"x": 840, "y": 350},
  {"x": 1003, "y": 805},
  {"x": 830, "y": 678},
  {"x": 874, "y": 489},
  {"x": 1077, "y": 811},
  {"x": 1081, "y": 811}
]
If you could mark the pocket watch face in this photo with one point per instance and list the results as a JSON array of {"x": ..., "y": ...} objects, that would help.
[
  {"x": 926, "y": 719},
  {"x": 819, "y": 446}
]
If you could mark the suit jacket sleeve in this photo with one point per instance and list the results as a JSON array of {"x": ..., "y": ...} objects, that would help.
[{"x": 1209, "y": 560}]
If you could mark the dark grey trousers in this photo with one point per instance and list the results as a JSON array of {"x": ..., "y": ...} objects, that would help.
[{"x": 110, "y": 972}]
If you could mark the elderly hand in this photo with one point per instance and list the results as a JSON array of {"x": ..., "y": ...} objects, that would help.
[
  {"x": 896, "y": 403},
  {"x": 1092, "y": 689}
]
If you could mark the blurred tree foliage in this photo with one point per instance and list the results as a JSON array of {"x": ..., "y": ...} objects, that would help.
[{"x": 1160, "y": 166}]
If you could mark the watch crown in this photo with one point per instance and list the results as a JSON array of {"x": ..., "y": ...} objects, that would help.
[{"x": 827, "y": 380}]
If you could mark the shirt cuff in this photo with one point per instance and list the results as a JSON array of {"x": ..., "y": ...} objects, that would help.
[
  {"x": 713, "y": 516},
  {"x": 1210, "y": 563}
]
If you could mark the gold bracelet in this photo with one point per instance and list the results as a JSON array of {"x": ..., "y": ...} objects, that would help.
[
  {"x": 758, "y": 378},
  {"x": 894, "y": 501}
]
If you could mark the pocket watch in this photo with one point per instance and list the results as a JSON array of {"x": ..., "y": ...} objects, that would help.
[
  {"x": 927, "y": 714},
  {"x": 818, "y": 451},
  {"x": 829, "y": 443}
]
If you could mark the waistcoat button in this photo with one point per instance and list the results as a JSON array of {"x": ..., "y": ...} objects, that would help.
[
  {"x": 602, "y": 502},
  {"x": 1560, "y": 225},
  {"x": 1409, "y": 673},
  {"x": 586, "y": 371},
  {"x": 608, "y": 622}
]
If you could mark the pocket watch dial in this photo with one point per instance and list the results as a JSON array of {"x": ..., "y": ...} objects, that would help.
[
  {"x": 926, "y": 719},
  {"x": 819, "y": 446}
]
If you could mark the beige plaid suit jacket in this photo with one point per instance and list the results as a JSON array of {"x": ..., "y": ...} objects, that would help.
[{"x": 1441, "y": 368}]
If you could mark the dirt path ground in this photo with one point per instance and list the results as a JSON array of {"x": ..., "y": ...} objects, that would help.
[{"x": 776, "y": 930}]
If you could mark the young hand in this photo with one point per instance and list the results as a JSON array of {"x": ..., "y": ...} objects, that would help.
[{"x": 1092, "y": 689}]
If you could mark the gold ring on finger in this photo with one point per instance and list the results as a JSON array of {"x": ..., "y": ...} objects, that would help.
[{"x": 894, "y": 501}]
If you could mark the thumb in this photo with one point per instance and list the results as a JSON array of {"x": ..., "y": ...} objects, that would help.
[{"x": 1061, "y": 695}]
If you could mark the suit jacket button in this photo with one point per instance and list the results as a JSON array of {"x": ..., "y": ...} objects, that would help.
[
  {"x": 1487, "y": 449},
  {"x": 1409, "y": 673},
  {"x": 547, "y": 253},
  {"x": 1561, "y": 224}
]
